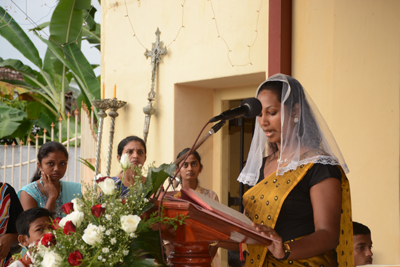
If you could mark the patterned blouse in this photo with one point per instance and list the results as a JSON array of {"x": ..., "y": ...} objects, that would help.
[
  {"x": 10, "y": 208},
  {"x": 124, "y": 191}
]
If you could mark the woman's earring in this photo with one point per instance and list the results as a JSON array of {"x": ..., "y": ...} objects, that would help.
[{"x": 296, "y": 120}]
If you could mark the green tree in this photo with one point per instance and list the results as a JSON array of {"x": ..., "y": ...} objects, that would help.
[{"x": 63, "y": 66}]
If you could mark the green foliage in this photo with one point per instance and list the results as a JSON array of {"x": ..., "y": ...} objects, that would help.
[
  {"x": 63, "y": 66},
  {"x": 17, "y": 37},
  {"x": 157, "y": 176},
  {"x": 86, "y": 163},
  {"x": 115, "y": 244},
  {"x": 14, "y": 122}
]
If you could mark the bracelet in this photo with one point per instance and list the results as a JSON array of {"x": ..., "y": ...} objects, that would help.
[{"x": 286, "y": 249}]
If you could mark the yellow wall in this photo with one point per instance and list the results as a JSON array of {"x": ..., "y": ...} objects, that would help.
[
  {"x": 197, "y": 56},
  {"x": 191, "y": 77},
  {"x": 346, "y": 54}
]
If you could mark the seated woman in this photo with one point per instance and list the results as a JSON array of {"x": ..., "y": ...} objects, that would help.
[
  {"x": 189, "y": 176},
  {"x": 46, "y": 189},
  {"x": 135, "y": 147},
  {"x": 11, "y": 208},
  {"x": 190, "y": 171}
]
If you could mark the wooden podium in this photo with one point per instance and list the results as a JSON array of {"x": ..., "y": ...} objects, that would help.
[{"x": 202, "y": 227}]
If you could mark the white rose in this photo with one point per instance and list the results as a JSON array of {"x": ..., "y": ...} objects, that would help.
[
  {"x": 76, "y": 217},
  {"x": 125, "y": 162},
  {"x": 129, "y": 223},
  {"x": 92, "y": 235},
  {"x": 78, "y": 205},
  {"x": 107, "y": 186},
  {"x": 99, "y": 176},
  {"x": 51, "y": 259}
]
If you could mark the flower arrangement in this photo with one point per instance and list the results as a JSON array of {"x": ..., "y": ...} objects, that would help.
[{"x": 103, "y": 229}]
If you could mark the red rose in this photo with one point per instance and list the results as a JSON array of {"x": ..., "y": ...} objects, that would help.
[
  {"x": 75, "y": 258},
  {"x": 69, "y": 228},
  {"x": 67, "y": 208},
  {"x": 123, "y": 201},
  {"x": 98, "y": 210},
  {"x": 48, "y": 239},
  {"x": 56, "y": 222}
]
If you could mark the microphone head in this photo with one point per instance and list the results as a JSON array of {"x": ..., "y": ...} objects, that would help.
[{"x": 254, "y": 105}]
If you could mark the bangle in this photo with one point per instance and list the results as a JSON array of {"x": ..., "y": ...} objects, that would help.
[{"x": 286, "y": 249}]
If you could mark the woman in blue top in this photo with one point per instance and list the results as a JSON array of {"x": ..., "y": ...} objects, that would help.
[
  {"x": 135, "y": 147},
  {"x": 46, "y": 189}
]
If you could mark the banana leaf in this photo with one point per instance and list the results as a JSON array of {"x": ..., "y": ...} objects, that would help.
[
  {"x": 67, "y": 19},
  {"x": 8, "y": 127},
  {"x": 33, "y": 80},
  {"x": 13, "y": 122},
  {"x": 34, "y": 110},
  {"x": 14, "y": 34},
  {"x": 72, "y": 57}
]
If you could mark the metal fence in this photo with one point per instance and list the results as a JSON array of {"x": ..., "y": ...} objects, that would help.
[{"x": 18, "y": 162}]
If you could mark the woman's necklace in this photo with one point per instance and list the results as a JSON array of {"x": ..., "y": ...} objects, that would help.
[{"x": 286, "y": 159}]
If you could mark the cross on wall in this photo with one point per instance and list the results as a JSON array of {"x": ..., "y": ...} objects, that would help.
[{"x": 156, "y": 53}]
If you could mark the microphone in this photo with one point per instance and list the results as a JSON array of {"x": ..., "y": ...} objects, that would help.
[{"x": 249, "y": 108}]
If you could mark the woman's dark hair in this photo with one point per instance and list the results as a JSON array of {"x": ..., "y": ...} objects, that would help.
[
  {"x": 194, "y": 153},
  {"x": 128, "y": 139},
  {"x": 27, "y": 217},
  {"x": 44, "y": 152},
  {"x": 296, "y": 94}
]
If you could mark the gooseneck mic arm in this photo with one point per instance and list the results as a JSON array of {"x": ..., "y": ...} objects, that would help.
[{"x": 212, "y": 131}]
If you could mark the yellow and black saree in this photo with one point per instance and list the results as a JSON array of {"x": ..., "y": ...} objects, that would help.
[{"x": 263, "y": 203}]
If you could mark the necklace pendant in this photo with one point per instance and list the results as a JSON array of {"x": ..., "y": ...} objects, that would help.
[{"x": 281, "y": 161}]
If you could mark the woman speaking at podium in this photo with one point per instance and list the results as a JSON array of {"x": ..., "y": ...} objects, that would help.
[{"x": 300, "y": 194}]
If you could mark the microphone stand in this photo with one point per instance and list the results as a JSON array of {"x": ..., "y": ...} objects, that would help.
[{"x": 212, "y": 131}]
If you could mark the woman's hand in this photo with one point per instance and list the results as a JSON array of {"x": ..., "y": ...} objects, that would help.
[
  {"x": 275, "y": 247},
  {"x": 51, "y": 190}
]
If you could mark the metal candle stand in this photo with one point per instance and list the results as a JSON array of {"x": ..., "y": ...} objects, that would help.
[
  {"x": 102, "y": 105},
  {"x": 113, "y": 104}
]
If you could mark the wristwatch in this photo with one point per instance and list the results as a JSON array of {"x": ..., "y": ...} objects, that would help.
[{"x": 286, "y": 249}]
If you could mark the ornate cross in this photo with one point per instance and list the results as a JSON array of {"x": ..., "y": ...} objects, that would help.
[{"x": 156, "y": 53}]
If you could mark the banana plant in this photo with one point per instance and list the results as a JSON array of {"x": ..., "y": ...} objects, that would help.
[{"x": 64, "y": 61}]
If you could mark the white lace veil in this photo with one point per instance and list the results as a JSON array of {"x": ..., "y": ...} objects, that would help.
[{"x": 305, "y": 137}]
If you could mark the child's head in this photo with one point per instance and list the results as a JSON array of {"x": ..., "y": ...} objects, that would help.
[
  {"x": 362, "y": 244},
  {"x": 32, "y": 224}
]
